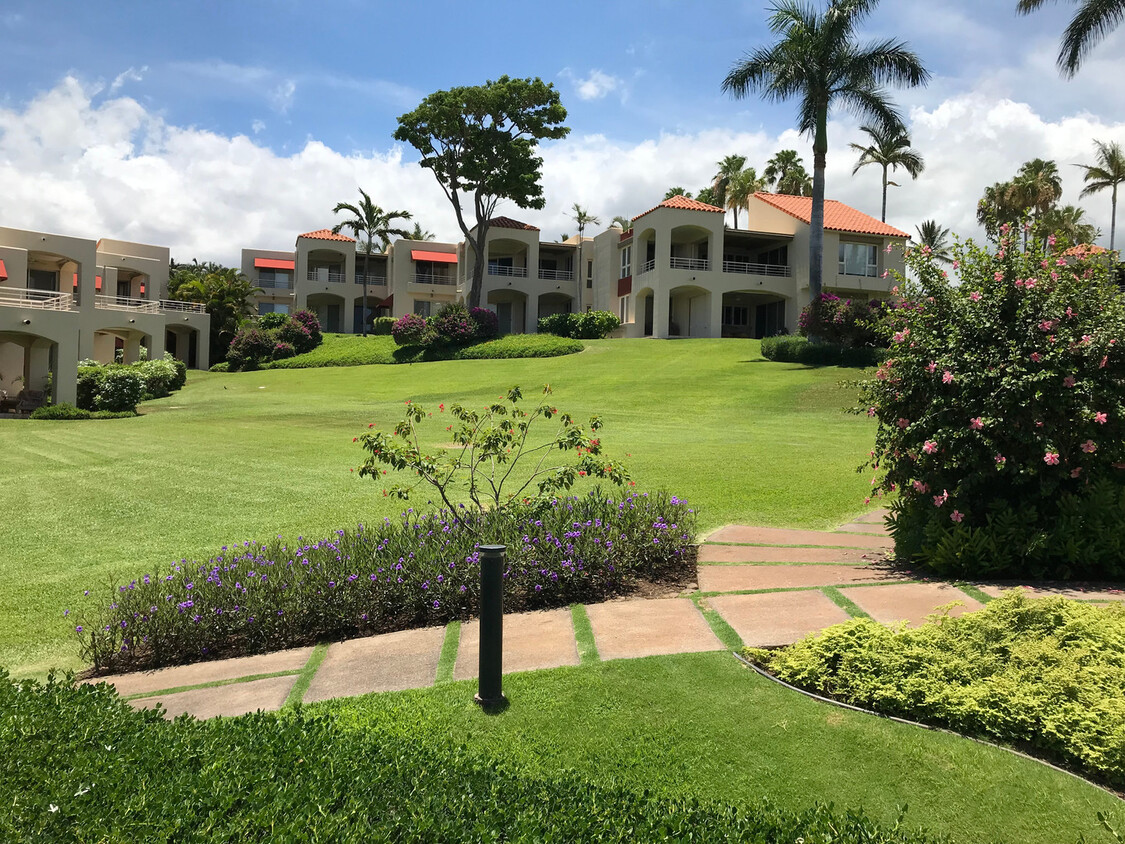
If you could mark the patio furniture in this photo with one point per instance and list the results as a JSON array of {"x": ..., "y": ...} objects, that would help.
[{"x": 30, "y": 400}]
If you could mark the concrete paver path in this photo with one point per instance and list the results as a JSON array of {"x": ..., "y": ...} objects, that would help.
[{"x": 771, "y": 586}]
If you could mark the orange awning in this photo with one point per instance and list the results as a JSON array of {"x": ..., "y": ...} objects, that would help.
[
  {"x": 3, "y": 272},
  {"x": 387, "y": 303},
  {"x": 273, "y": 264},
  {"x": 437, "y": 257},
  {"x": 97, "y": 282}
]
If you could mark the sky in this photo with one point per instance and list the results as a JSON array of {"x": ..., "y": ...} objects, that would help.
[{"x": 212, "y": 125}]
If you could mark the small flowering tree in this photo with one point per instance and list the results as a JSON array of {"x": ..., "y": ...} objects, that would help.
[
  {"x": 493, "y": 456},
  {"x": 1002, "y": 415}
]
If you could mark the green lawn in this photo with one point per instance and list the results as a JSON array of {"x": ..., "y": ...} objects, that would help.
[
  {"x": 251, "y": 455},
  {"x": 702, "y": 725}
]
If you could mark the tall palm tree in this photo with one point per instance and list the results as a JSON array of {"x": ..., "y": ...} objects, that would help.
[
  {"x": 937, "y": 238},
  {"x": 785, "y": 173},
  {"x": 998, "y": 205},
  {"x": 370, "y": 224},
  {"x": 729, "y": 167},
  {"x": 890, "y": 150},
  {"x": 623, "y": 223},
  {"x": 677, "y": 191},
  {"x": 1069, "y": 225},
  {"x": 1109, "y": 172},
  {"x": 582, "y": 218},
  {"x": 742, "y": 186},
  {"x": 1093, "y": 21},
  {"x": 818, "y": 61},
  {"x": 420, "y": 233},
  {"x": 1036, "y": 188}
]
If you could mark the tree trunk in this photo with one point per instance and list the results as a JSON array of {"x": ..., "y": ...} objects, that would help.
[
  {"x": 816, "y": 225},
  {"x": 363, "y": 314},
  {"x": 1113, "y": 217},
  {"x": 883, "y": 216},
  {"x": 478, "y": 244},
  {"x": 735, "y": 210}
]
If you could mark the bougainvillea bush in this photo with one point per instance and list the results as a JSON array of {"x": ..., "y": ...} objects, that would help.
[
  {"x": 1002, "y": 415},
  {"x": 414, "y": 571},
  {"x": 842, "y": 322}
]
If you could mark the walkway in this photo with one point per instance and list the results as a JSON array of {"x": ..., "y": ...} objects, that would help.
[{"x": 757, "y": 586}]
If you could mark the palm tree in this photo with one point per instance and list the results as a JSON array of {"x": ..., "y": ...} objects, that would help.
[
  {"x": 1109, "y": 172},
  {"x": 996, "y": 207},
  {"x": 225, "y": 294},
  {"x": 818, "y": 61},
  {"x": 1036, "y": 188},
  {"x": 623, "y": 223},
  {"x": 1093, "y": 21},
  {"x": 370, "y": 224},
  {"x": 937, "y": 238},
  {"x": 677, "y": 191},
  {"x": 890, "y": 150},
  {"x": 706, "y": 195},
  {"x": 729, "y": 167},
  {"x": 582, "y": 218},
  {"x": 420, "y": 233},
  {"x": 1069, "y": 225},
  {"x": 785, "y": 173},
  {"x": 742, "y": 186}
]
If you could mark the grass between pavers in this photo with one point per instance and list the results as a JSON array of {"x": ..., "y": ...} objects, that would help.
[
  {"x": 448, "y": 658},
  {"x": 213, "y": 684},
  {"x": 715, "y": 594},
  {"x": 741, "y": 438},
  {"x": 787, "y": 545},
  {"x": 719, "y": 626},
  {"x": 703, "y": 725},
  {"x": 844, "y": 602},
  {"x": 305, "y": 678},
  {"x": 974, "y": 592},
  {"x": 584, "y": 635}
]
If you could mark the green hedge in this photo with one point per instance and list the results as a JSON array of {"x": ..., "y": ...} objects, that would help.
[
  {"x": 67, "y": 411},
  {"x": 79, "y": 764},
  {"x": 1048, "y": 674},
  {"x": 796, "y": 349},
  {"x": 354, "y": 350}
]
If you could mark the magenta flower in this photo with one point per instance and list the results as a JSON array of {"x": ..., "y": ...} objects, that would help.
[
  {"x": 956, "y": 516},
  {"x": 1000, "y": 459},
  {"x": 1068, "y": 381},
  {"x": 1051, "y": 458},
  {"x": 870, "y": 411},
  {"x": 946, "y": 377},
  {"x": 974, "y": 296},
  {"x": 1089, "y": 446},
  {"x": 930, "y": 447},
  {"x": 931, "y": 367},
  {"x": 939, "y": 500},
  {"x": 1046, "y": 325},
  {"x": 976, "y": 424},
  {"x": 1074, "y": 473},
  {"x": 1100, "y": 418},
  {"x": 903, "y": 423},
  {"x": 998, "y": 275},
  {"x": 1036, "y": 357},
  {"x": 922, "y": 487}
]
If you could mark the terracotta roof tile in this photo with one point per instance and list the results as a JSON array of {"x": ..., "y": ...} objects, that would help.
[
  {"x": 1084, "y": 249},
  {"x": 684, "y": 204},
  {"x": 509, "y": 223},
  {"x": 326, "y": 234},
  {"x": 837, "y": 215}
]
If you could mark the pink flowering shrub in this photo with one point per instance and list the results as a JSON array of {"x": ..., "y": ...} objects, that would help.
[
  {"x": 842, "y": 322},
  {"x": 1002, "y": 416},
  {"x": 409, "y": 330}
]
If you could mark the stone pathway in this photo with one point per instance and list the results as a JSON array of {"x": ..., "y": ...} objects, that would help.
[{"x": 771, "y": 586}]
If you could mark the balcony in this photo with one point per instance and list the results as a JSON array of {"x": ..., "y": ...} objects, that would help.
[
  {"x": 699, "y": 265},
  {"x": 274, "y": 283},
  {"x": 325, "y": 275},
  {"x": 43, "y": 300},
  {"x": 434, "y": 279},
  {"x": 647, "y": 267},
  {"x": 372, "y": 280},
  {"x": 124, "y": 303},
  {"x": 510, "y": 272},
  {"x": 748, "y": 268},
  {"x": 556, "y": 275},
  {"x": 167, "y": 305}
]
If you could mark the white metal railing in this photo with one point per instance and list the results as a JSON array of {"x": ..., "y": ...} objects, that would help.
[
  {"x": 274, "y": 283},
  {"x": 647, "y": 267},
  {"x": 334, "y": 278},
  {"x": 125, "y": 303},
  {"x": 44, "y": 300},
  {"x": 512, "y": 272},
  {"x": 435, "y": 279},
  {"x": 697, "y": 264},
  {"x": 748, "y": 268},
  {"x": 556, "y": 275},
  {"x": 372, "y": 280},
  {"x": 182, "y": 307}
]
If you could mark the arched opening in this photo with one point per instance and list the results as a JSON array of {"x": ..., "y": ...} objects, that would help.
[
  {"x": 182, "y": 341},
  {"x": 555, "y": 303},
  {"x": 121, "y": 345},
  {"x": 643, "y": 310},
  {"x": 29, "y": 371},
  {"x": 690, "y": 249},
  {"x": 689, "y": 312},
  {"x": 511, "y": 310},
  {"x": 507, "y": 258},
  {"x": 644, "y": 252},
  {"x": 753, "y": 314},
  {"x": 329, "y": 309}
]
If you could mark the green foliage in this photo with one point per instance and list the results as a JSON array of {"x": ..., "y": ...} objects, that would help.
[
  {"x": 79, "y": 764},
  {"x": 274, "y": 319},
  {"x": 249, "y": 347},
  {"x": 452, "y": 325},
  {"x": 1047, "y": 674},
  {"x": 521, "y": 346},
  {"x": 590, "y": 325},
  {"x": 158, "y": 376},
  {"x": 490, "y": 445},
  {"x": 276, "y": 339},
  {"x": 409, "y": 330},
  {"x": 843, "y": 322},
  {"x": 1002, "y": 415},
  {"x": 353, "y": 350},
  {"x": 62, "y": 410},
  {"x": 89, "y": 384},
  {"x": 382, "y": 325},
  {"x": 180, "y": 377},
  {"x": 120, "y": 389},
  {"x": 225, "y": 294},
  {"x": 796, "y": 349},
  {"x": 221, "y": 366}
]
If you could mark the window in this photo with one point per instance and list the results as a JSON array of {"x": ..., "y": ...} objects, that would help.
[
  {"x": 422, "y": 307},
  {"x": 778, "y": 257},
  {"x": 623, "y": 308},
  {"x": 43, "y": 280},
  {"x": 278, "y": 279},
  {"x": 859, "y": 259},
  {"x": 626, "y": 262},
  {"x": 272, "y": 308},
  {"x": 738, "y": 315},
  {"x": 589, "y": 274}
]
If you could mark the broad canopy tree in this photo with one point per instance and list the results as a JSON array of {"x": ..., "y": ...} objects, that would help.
[{"x": 480, "y": 143}]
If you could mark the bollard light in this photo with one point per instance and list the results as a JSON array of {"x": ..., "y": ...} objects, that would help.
[{"x": 490, "y": 691}]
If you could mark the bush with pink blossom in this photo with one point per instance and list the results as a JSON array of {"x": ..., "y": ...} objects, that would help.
[{"x": 1001, "y": 415}]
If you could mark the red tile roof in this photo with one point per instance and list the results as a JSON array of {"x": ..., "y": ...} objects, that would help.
[
  {"x": 1084, "y": 249},
  {"x": 509, "y": 223},
  {"x": 683, "y": 203},
  {"x": 837, "y": 215},
  {"x": 326, "y": 234}
]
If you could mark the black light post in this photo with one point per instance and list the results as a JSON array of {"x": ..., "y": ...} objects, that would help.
[{"x": 490, "y": 691}]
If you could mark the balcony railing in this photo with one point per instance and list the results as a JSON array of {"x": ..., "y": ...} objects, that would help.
[
  {"x": 372, "y": 280},
  {"x": 556, "y": 275},
  {"x": 748, "y": 268},
  {"x": 435, "y": 279},
  {"x": 274, "y": 283},
  {"x": 44, "y": 300},
  {"x": 331, "y": 277},
  {"x": 125, "y": 303},
  {"x": 701, "y": 265},
  {"x": 182, "y": 307},
  {"x": 511, "y": 272},
  {"x": 647, "y": 267}
]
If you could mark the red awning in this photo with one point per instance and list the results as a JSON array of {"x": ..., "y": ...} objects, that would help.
[
  {"x": 625, "y": 286},
  {"x": 97, "y": 282},
  {"x": 76, "y": 281},
  {"x": 273, "y": 264},
  {"x": 3, "y": 272},
  {"x": 438, "y": 257},
  {"x": 387, "y": 303}
]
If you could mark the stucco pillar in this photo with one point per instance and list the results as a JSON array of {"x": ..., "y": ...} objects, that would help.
[
  {"x": 66, "y": 371},
  {"x": 156, "y": 344},
  {"x": 37, "y": 364},
  {"x": 661, "y": 311},
  {"x": 531, "y": 317},
  {"x": 715, "y": 320},
  {"x": 132, "y": 351},
  {"x": 85, "y": 344}
]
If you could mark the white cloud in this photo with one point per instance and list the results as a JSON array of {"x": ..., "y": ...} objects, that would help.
[
  {"x": 281, "y": 98},
  {"x": 257, "y": 126},
  {"x": 77, "y": 163},
  {"x": 130, "y": 75},
  {"x": 593, "y": 86}
]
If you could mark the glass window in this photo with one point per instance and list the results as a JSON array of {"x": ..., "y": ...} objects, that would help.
[
  {"x": 43, "y": 280},
  {"x": 626, "y": 262},
  {"x": 422, "y": 307},
  {"x": 859, "y": 259},
  {"x": 736, "y": 315},
  {"x": 623, "y": 308},
  {"x": 272, "y": 308}
]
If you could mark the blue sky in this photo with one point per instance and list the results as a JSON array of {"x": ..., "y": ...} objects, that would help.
[{"x": 229, "y": 102}]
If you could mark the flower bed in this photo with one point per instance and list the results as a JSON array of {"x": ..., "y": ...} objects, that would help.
[{"x": 420, "y": 570}]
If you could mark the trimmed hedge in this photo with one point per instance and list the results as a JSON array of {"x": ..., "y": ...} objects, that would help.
[
  {"x": 1048, "y": 674},
  {"x": 591, "y": 325},
  {"x": 67, "y": 411},
  {"x": 77, "y": 763},
  {"x": 354, "y": 350},
  {"x": 796, "y": 349}
]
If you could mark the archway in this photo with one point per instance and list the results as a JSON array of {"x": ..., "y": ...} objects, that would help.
[
  {"x": 329, "y": 309},
  {"x": 555, "y": 303},
  {"x": 689, "y": 312},
  {"x": 644, "y": 310},
  {"x": 753, "y": 314},
  {"x": 511, "y": 310}
]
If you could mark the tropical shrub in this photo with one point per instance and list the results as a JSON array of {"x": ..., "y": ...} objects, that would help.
[
  {"x": 418, "y": 570},
  {"x": 62, "y": 410},
  {"x": 295, "y": 334},
  {"x": 90, "y": 379},
  {"x": 382, "y": 325},
  {"x": 452, "y": 325},
  {"x": 282, "y": 350},
  {"x": 311, "y": 323},
  {"x": 1002, "y": 415},
  {"x": 277, "y": 338},
  {"x": 274, "y": 319},
  {"x": 842, "y": 322},
  {"x": 249, "y": 346},
  {"x": 158, "y": 376},
  {"x": 520, "y": 346},
  {"x": 181, "y": 372},
  {"x": 221, "y": 366},
  {"x": 561, "y": 325},
  {"x": 797, "y": 349},
  {"x": 487, "y": 323},
  {"x": 1047, "y": 674},
  {"x": 120, "y": 390},
  {"x": 591, "y": 325},
  {"x": 353, "y": 350},
  {"x": 409, "y": 330},
  {"x": 78, "y": 763}
]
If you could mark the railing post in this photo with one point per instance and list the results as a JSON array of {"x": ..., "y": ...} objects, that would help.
[{"x": 490, "y": 692}]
